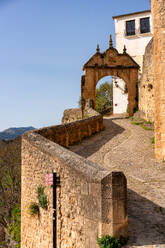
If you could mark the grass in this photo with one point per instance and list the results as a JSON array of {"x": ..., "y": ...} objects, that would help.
[
  {"x": 153, "y": 140},
  {"x": 149, "y": 122},
  {"x": 135, "y": 122},
  {"x": 144, "y": 124},
  {"x": 145, "y": 127}
]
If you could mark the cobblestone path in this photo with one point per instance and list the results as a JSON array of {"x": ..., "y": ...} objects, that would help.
[{"x": 128, "y": 148}]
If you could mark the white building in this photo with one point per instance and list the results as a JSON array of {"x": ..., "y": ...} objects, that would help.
[{"x": 134, "y": 31}]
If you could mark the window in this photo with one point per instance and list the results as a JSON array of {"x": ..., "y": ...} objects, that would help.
[
  {"x": 130, "y": 27},
  {"x": 144, "y": 25}
]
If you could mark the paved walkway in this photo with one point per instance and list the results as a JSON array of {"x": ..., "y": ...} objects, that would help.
[{"x": 128, "y": 148}]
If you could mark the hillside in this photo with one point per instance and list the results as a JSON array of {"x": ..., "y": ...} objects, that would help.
[
  {"x": 12, "y": 133},
  {"x": 10, "y": 185}
]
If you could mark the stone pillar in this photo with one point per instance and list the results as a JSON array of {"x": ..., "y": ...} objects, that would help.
[
  {"x": 132, "y": 92},
  {"x": 158, "y": 12},
  {"x": 114, "y": 205},
  {"x": 88, "y": 88}
]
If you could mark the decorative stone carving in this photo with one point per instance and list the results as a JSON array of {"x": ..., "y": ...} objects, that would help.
[{"x": 110, "y": 63}]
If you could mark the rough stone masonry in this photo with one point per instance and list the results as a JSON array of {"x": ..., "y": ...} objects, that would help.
[
  {"x": 91, "y": 201},
  {"x": 146, "y": 85},
  {"x": 158, "y": 12}
]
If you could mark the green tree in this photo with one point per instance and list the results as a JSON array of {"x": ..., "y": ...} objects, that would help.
[
  {"x": 10, "y": 179},
  {"x": 15, "y": 226},
  {"x": 104, "y": 97},
  {"x": 9, "y": 192},
  {"x": 10, "y": 187}
]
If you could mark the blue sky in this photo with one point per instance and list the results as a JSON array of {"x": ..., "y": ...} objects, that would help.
[{"x": 43, "y": 46}]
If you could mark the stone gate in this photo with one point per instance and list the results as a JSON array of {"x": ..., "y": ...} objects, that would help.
[{"x": 109, "y": 63}]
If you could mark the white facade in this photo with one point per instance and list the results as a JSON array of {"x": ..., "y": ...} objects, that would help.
[
  {"x": 120, "y": 97},
  {"x": 135, "y": 44}
]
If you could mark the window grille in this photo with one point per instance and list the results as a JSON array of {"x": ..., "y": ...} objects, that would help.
[
  {"x": 144, "y": 25},
  {"x": 130, "y": 27}
]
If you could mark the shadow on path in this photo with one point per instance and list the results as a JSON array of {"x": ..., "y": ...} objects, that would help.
[
  {"x": 146, "y": 221},
  {"x": 91, "y": 145}
]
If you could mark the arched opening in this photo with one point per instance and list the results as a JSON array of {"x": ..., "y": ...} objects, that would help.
[
  {"x": 111, "y": 95},
  {"x": 104, "y": 95}
]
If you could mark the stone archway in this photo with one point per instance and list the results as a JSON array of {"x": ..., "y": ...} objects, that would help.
[{"x": 109, "y": 63}]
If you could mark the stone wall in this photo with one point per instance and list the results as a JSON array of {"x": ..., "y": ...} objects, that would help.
[
  {"x": 73, "y": 132},
  {"x": 158, "y": 12},
  {"x": 146, "y": 85},
  {"x": 91, "y": 201},
  {"x": 71, "y": 115}
]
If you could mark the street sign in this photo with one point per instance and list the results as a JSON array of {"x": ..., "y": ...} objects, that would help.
[{"x": 49, "y": 179}]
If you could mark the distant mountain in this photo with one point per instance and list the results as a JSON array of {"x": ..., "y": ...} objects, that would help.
[{"x": 12, "y": 133}]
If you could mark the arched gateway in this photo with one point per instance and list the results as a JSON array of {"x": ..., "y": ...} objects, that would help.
[{"x": 109, "y": 63}]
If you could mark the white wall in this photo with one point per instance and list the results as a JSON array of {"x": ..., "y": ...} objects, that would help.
[
  {"x": 135, "y": 44},
  {"x": 120, "y": 99}
]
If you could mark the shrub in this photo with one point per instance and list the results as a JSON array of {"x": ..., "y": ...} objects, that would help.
[
  {"x": 33, "y": 209},
  {"x": 40, "y": 190},
  {"x": 3, "y": 243},
  {"x": 15, "y": 226},
  {"x": 42, "y": 198},
  {"x": 43, "y": 201},
  {"x": 108, "y": 242},
  {"x": 111, "y": 242}
]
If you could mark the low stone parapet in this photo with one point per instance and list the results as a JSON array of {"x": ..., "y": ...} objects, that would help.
[
  {"x": 91, "y": 201},
  {"x": 76, "y": 114},
  {"x": 73, "y": 132},
  {"x": 71, "y": 115}
]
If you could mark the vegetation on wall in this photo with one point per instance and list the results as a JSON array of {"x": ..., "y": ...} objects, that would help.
[
  {"x": 33, "y": 209},
  {"x": 42, "y": 198},
  {"x": 108, "y": 241}
]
